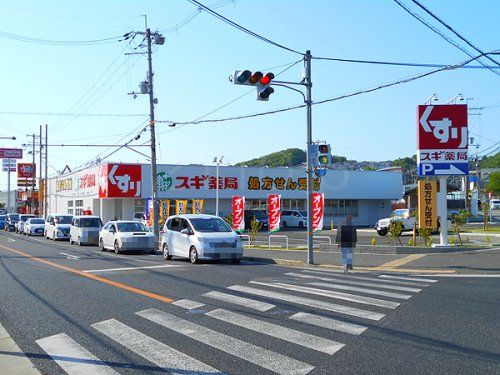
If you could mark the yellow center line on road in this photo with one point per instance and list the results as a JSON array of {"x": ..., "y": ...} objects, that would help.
[{"x": 91, "y": 276}]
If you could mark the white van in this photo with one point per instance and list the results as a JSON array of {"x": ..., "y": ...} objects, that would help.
[
  {"x": 57, "y": 226},
  {"x": 85, "y": 230}
]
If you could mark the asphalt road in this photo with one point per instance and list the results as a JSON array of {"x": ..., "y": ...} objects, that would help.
[{"x": 64, "y": 302}]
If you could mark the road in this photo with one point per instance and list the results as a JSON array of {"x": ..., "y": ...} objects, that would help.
[{"x": 77, "y": 310}]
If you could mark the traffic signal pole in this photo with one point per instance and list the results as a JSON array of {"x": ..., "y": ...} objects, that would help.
[{"x": 308, "y": 84}]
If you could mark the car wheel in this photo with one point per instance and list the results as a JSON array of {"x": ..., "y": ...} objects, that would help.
[
  {"x": 193, "y": 255},
  {"x": 166, "y": 254},
  {"x": 101, "y": 245},
  {"x": 301, "y": 225},
  {"x": 117, "y": 248},
  {"x": 382, "y": 232},
  {"x": 284, "y": 224},
  {"x": 79, "y": 241}
]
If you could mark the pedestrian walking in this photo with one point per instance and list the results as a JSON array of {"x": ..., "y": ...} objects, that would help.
[{"x": 346, "y": 240}]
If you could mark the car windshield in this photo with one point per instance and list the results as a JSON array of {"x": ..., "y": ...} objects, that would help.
[
  {"x": 400, "y": 213},
  {"x": 14, "y": 217},
  {"x": 213, "y": 224},
  {"x": 3, "y": 217},
  {"x": 25, "y": 217},
  {"x": 63, "y": 219},
  {"x": 132, "y": 227},
  {"x": 37, "y": 221},
  {"x": 303, "y": 213},
  {"x": 90, "y": 222}
]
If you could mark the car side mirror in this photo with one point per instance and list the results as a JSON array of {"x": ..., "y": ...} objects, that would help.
[{"x": 186, "y": 231}]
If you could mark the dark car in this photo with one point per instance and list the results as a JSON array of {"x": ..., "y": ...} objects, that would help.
[
  {"x": 260, "y": 216},
  {"x": 11, "y": 222},
  {"x": 3, "y": 218}
]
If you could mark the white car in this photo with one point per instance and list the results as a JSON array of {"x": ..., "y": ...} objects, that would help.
[
  {"x": 126, "y": 235},
  {"x": 22, "y": 220},
  {"x": 57, "y": 226},
  {"x": 34, "y": 226},
  {"x": 85, "y": 230},
  {"x": 200, "y": 237},
  {"x": 495, "y": 204},
  {"x": 294, "y": 218}
]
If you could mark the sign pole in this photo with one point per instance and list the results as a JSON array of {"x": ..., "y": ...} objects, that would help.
[
  {"x": 443, "y": 210},
  {"x": 8, "y": 187}
]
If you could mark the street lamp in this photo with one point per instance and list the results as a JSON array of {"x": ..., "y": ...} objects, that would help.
[
  {"x": 13, "y": 138},
  {"x": 431, "y": 98},
  {"x": 217, "y": 161},
  {"x": 455, "y": 98}
]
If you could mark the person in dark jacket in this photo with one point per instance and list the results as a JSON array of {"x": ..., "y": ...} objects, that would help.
[{"x": 346, "y": 240}]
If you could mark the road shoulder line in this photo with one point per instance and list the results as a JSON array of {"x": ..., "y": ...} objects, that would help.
[{"x": 12, "y": 358}]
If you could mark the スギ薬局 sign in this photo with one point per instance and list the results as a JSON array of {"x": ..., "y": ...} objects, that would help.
[{"x": 442, "y": 140}]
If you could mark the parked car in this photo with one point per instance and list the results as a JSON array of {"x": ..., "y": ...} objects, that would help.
[
  {"x": 10, "y": 223},
  {"x": 259, "y": 215},
  {"x": 3, "y": 219},
  {"x": 85, "y": 230},
  {"x": 494, "y": 204},
  {"x": 57, "y": 226},
  {"x": 34, "y": 226},
  {"x": 22, "y": 220},
  {"x": 125, "y": 235},
  {"x": 200, "y": 237},
  {"x": 406, "y": 217},
  {"x": 294, "y": 218}
]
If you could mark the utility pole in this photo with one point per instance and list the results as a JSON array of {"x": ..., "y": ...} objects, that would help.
[
  {"x": 40, "y": 201},
  {"x": 33, "y": 180},
  {"x": 45, "y": 202},
  {"x": 308, "y": 84},
  {"x": 154, "y": 181}
]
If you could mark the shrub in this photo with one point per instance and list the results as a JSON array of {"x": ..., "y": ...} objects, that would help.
[
  {"x": 253, "y": 231},
  {"x": 451, "y": 240},
  {"x": 373, "y": 241},
  {"x": 425, "y": 234},
  {"x": 395, "y": 230}
]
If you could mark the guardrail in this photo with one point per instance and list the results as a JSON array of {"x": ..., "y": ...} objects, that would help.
[
  {"x": 245, "y": 236},
  {"x": 324, "y": 237},
  {"x": 276, "y": 236}
]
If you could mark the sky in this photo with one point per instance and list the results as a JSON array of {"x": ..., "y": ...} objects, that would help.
[{"x": 75, "y": 88}]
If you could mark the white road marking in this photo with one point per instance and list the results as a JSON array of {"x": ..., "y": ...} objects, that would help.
[
  {"x": 353, "y": 282},
  {"x": 11, "y": 240},
  {"x": 332, "y": 294},
  {"x": 69, "y": 256},
  {"x": 188, "y": 304},
  {"x": 295, "y": 337},
  {"x": 333, "y": 324},
  {"x": 362, "y": 290},
  {"x": 128, "y": 268},
  {"x": 102, "y": 253},
  {"x": 272, "y": 361},
  {"x": 310, "y": 302},
  {"x": 407, "y": 278},
  {"x": 465, "y": 275},
  {"x": 164, "y": 356},
  {"x": 241, "y": 301},
  {"x": 72, "y": 357},
  {"x": 378, "y": 280}
]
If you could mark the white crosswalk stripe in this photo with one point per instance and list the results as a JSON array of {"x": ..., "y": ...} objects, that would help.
[
  {"x": 329, "y": 323},
  {"x": 378, "y": 280},
  {"x": 408, "y": 278},
  {"x": 296, "y": 337},
  {"x": 73, "y": 358},
  {"x": 332, "y": 294},
  {"x": 362, "y": 290},
  {"x": 162, "y": 355},
  {"x": 241, "y": 301},
  {"x": 188, "y": 304},
  {"x": 354, "y": 282},
  {"x": 310, "y": 302},
  {"x": 259, "y": 356}
]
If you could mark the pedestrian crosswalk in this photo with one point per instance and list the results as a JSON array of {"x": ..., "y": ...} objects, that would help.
[{"x": 282, "y": 325}]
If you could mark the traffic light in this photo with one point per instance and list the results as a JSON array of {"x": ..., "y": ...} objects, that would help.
[
  {"x": 324, "y": 155},
  {"x": 260, "y": 80}
]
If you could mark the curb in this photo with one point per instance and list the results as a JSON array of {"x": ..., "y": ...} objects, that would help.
[{"x": 12, "y": 358}]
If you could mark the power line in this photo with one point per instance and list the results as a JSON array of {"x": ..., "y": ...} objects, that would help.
[
  {"x": 393, "y": 63},
  {"x": 21, "y": 113},
  {"x": 360, "y": 92},
  {"x": 27, "y": 39},
  {"x": 454, "y": 31},
  {"x": 437, "y": 31},
  {"x": 241, "y": 28}
]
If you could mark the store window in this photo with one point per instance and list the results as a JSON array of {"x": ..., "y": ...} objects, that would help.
[
  {"x": 341, "y": 207},
  {"x": 139, "y": 205},
  {"x": 79, "y": 207}
]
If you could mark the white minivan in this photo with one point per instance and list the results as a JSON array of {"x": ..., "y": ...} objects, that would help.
[
  {"x": 85, "y": 230},
  {"x": 57, "y": 226},
  {"x": 200, "y": 237}
]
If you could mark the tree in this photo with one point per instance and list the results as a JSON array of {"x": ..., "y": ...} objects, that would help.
[
  {"x": 285, "y": 158},
  {"x": 494, "y": 184},
  {"x": 458, "y": 221},
  {"x": 492, "y": 161},
  {"x": 407, "y": 163}
]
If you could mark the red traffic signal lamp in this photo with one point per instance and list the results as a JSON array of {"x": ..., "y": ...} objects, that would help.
[{"x": 246, "y": 77}]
